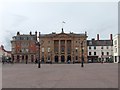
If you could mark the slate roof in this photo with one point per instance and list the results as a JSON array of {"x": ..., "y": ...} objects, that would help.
[{"x": 100, "y": 42}]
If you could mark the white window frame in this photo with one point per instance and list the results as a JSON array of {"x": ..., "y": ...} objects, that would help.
[{"x": 42, "y": 49}]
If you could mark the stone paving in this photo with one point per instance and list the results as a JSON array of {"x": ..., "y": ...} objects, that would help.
[{"x": 93, "y": 75}]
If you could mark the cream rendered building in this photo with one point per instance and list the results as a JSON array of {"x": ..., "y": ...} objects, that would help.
[
  {"x": 100, "y": 50},
  {"x": 116, "y": 48}
]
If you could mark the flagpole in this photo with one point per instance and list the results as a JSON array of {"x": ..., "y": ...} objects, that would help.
[{"x": 63, "y": 23}]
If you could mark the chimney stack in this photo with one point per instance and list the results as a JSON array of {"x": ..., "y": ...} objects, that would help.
[
  {"x": 85, "y": 33},
  {"x": 97, "y": 36},
  {"x": 36, "y": 33},
  {"x": 111, "y": 37},
  {"x": 18, "y": 33},
  {"x": 2, "y": 47},
  {"x": 39, "y": 34},
  {"x": 30, "y": 33}
]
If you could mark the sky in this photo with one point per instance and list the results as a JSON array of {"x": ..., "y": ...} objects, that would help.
[{"x": 47, "y": 17}]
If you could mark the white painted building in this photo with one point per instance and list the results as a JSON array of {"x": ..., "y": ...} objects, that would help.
[
  {"x": 116, "y": 48},
  {"x": 1, "y": 53},
  {"x": 100, "y": 50}
]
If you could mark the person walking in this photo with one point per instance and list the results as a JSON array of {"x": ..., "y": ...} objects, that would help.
[{"x": 82, "y": 62}]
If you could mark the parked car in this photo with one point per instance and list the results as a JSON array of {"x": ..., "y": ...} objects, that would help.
[
  {"x": 48, "y": 61},
  {"x": 6, "y": 59},
  {"x": 68, "y": 61},
  {"x": 76, "y": 61},
  {"x": 89, "y": 61}
]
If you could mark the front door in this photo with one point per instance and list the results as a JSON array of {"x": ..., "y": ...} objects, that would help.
[
  {"x": 68, "y": 58},
  {"x": 56, "y": 59},
  {"x": 62, "y": 58}
]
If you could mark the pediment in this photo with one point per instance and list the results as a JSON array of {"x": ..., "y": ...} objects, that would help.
[{"x": 62, "y": 35}]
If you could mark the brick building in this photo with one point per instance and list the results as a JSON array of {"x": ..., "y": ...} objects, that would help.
[
  {"x": 24, "y": 47},
  {"x": 61, "y": 47}
]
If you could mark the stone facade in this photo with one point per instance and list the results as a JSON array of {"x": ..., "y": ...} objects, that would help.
[{"x": 63, "y": 47}]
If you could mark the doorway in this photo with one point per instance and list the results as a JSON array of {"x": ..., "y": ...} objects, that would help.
[
  {"x": 68, "y": 58},
  {"x": 56, "y": 59},
  {"x": 62, "y": 58}
]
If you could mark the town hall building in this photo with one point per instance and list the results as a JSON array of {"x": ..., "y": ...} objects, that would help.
[{"x": 63, "y": 47}]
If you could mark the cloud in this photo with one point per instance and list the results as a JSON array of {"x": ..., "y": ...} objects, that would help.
[
  {"x": 10, "y": 25},
  {"x": 91, "y": 17}
]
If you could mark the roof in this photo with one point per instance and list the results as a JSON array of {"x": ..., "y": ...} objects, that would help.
[
  {"x": 100, "y": 42},
  {"x": 25, "y": 35},
  {"x": 2, "y": 48},
  {"x": 56, "y": 34}
]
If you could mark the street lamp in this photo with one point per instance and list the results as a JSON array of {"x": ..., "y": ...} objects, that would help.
[
  {"x": 82, "y": 57},
  {"x": 51, "y": 57},
  {"x": 73, "y": 57},
  {"x": 38, "y": 44}
]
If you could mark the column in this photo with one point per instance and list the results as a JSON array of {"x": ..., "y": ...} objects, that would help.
[
  {"x": 53, "y": 53},
  {"x": 117, "y": 59},
  {"x": 44, "y": 56},
  {"x": 59, "y": 53},
  {"x": 20, "y": 58},
  {"x": 65, "y": 50},
  {"x": 85, "y": 53},
  {"x": 72, "y": 51}
]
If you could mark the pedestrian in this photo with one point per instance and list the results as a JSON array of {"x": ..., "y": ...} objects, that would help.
[
  {"x": 3, "y": 59},
  {"x": 36, "y": 61},
  {"x": 101, "y": 61},
  {"x": 68, "y": 61},
  {"x": 26, "y": 61},
  {"x": 73, "y": 61},
  {"x": 82, "y": 63}
]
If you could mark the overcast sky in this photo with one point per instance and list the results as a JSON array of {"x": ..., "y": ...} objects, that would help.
[{"x": 46, "y": 17}]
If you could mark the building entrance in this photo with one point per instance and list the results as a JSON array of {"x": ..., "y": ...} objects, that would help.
[
  {"x": 32, "y": 58},
  {"x": 56, "y": 59},
  {"x": 62, "y": 58},
  {"x": 68, "y": 58}
]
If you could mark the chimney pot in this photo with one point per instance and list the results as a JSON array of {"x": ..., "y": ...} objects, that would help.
[
  {"x": 39, "y": 33},
  {"x": 18, "y": 33},
  {"x": 2, "y": 47},
  {"x": 36, "y": 33},
  {"x": 111, "y": 37},
  {"x": 30, "y": 33},
  {"x": 97, "y": 36}
]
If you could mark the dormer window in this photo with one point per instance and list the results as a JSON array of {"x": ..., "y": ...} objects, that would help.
[{"x": 90, "y": 43}]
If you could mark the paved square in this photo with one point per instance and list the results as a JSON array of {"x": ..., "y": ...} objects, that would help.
[{"x": 93, "y": 75}]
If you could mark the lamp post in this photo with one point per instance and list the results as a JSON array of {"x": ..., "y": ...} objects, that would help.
[
  {"x": 38, "y": 44},
  {"x": 51, "y": 57},
  {"x": 82, "y": 57},
  {"x": 101, "y": 56},
  {"x": 73, "y": 57}
]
